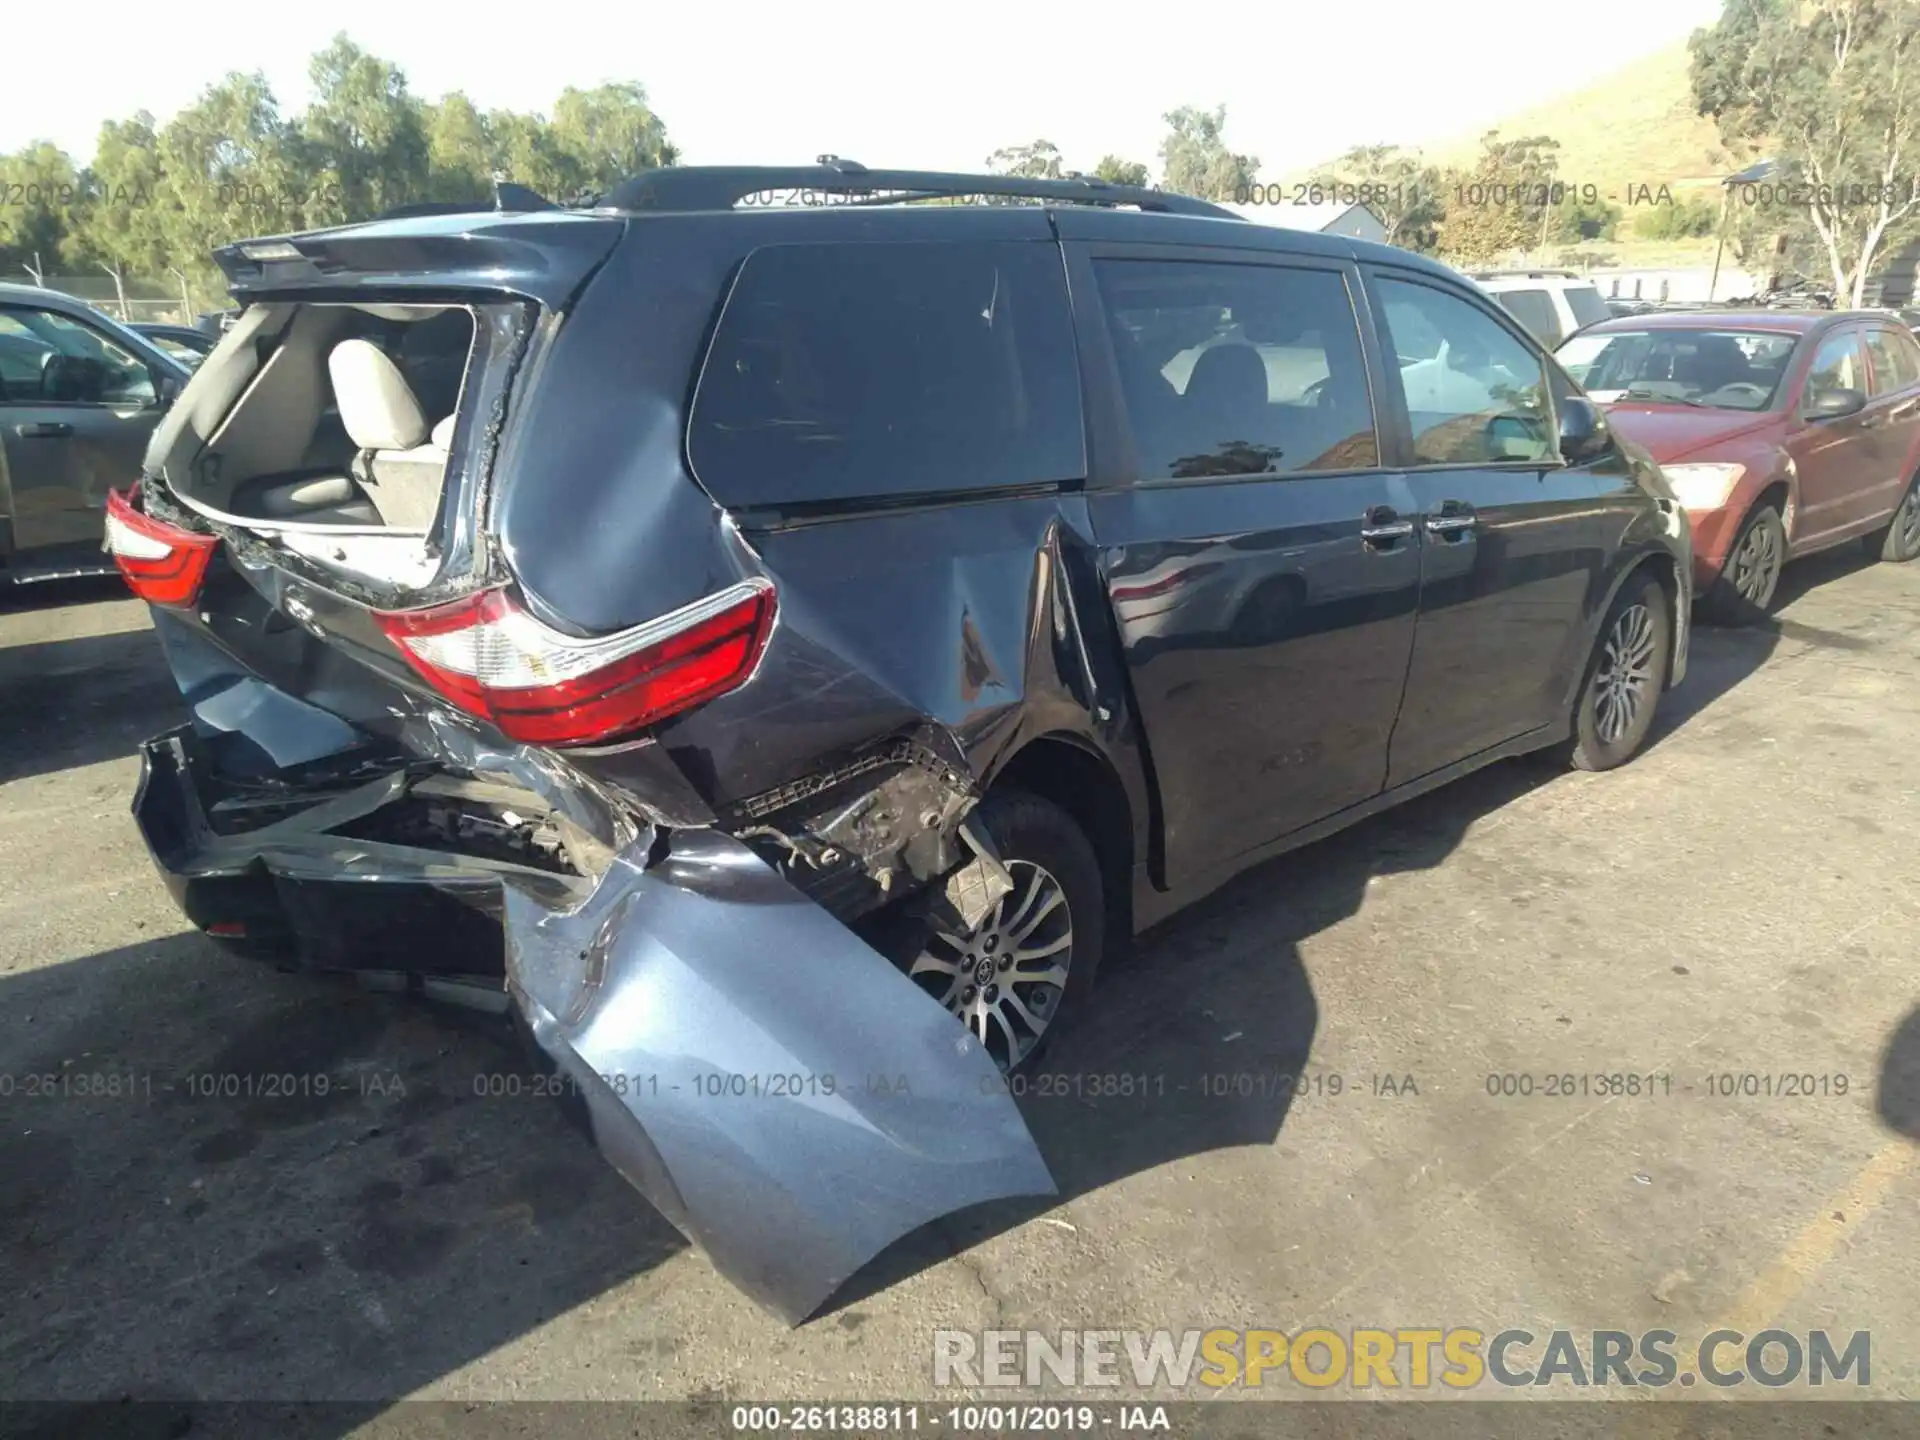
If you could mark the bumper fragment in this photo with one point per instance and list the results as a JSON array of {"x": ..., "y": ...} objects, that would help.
[{"x": 781, "y": 1092}]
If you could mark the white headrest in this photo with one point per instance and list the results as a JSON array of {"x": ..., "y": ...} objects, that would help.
[{"x": 376, "y": 404}]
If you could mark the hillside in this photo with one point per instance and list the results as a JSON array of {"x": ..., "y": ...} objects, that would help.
[{"x": 1635, "y": 126}]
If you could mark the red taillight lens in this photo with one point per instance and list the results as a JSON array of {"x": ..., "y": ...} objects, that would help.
[
  {"x": 494, "y": 660},
  {"x": 163, "y": 564}
]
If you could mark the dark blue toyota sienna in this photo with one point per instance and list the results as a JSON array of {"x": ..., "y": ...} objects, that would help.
[{"x": 739, "y": 626}]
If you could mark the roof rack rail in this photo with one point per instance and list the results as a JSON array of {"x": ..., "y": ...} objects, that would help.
[
  {"x": 1526, "y": 275},
  {"x": 722, "y": 187}
]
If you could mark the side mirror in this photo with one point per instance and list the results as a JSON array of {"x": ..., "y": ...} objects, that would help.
[
  {"x": 1583, "y": 432},
  {"x": 1833, "y": 404}
]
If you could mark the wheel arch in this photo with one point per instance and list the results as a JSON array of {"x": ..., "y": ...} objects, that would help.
[{"x": 1064, "y": 769}]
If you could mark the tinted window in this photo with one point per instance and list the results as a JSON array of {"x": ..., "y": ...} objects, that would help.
[
  {"x": 1474, "y": 393},
  {"x": 1838, "y": 365},
  {"x": 1894, "y": 366},
  {"x": 1238, "y": 369},
  {"x": 1533, "y": 309},
  {"x": 52, "y": 359},
  {"x": 1587, "y": 306},
  {"x": 841, "y": 371}
]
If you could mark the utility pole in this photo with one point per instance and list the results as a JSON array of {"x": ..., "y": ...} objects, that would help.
[{"x": 39, "y": 275}]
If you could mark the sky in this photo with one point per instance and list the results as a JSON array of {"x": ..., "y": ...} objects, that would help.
[{"x": 913, "y": 86}]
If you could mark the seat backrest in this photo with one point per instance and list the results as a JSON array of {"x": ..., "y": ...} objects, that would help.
[{"x": 376, "y": 404}]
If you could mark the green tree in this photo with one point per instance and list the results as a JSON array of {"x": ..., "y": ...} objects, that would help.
[
  {"x": 131, "y": 213},
  {"x": 1500, "y": 204},
  {"x": 459, "y": 150},
  {"x": 43, "y": 192},
  {"x": 1402, "y": 191},
  {"x": 605, "y": 135},
  {"x": 363, "y": 138},
  {"x": 1036, "y": 160},
  {"x": 1683, "y": 220},
  {"x": 1831, "y": 90},
  {"x": 1578, "y": 218},
  {"x": 1116, "y": 171},
  {"x": 1195, "y": 160}
]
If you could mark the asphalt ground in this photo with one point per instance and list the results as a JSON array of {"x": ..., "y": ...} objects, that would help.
[{"x": 1741, "y": 901}]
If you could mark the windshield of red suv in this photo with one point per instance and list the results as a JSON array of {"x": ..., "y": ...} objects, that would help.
[{"x": 1724, "y": 369}]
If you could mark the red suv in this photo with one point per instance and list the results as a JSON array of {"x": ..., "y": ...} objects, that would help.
[{"x": 1782, "y": 432}]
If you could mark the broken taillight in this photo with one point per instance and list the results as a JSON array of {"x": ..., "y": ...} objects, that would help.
[
  {"x": 162, "y": 563},
  {"x": 494, "y": 660}
]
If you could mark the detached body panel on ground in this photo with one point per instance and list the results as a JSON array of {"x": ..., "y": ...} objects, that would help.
[{"x": 918, "y": 596}]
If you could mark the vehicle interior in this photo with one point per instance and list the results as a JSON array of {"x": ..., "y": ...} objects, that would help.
[
  {"x": 1722, "y": 369},
  {"x": 334, "y": 415},
  {"x": 48, "y": 359},
  {"x": 1243, "y": 388}
]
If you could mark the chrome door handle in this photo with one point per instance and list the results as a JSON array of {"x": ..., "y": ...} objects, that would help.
[
  {"x": 1447, "y": 524},
  {"x": 1391, "y": 531}
]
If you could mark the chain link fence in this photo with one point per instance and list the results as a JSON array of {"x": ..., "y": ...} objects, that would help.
[{"x": 130, "y": 299}]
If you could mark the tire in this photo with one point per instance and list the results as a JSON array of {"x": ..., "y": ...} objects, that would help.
[
  {"x": 1639, "y": 627},
  {"x": 1898, "y": 541},
  {"x": 1042, "y": 846},
  {"x": 1745, "y": 590}
]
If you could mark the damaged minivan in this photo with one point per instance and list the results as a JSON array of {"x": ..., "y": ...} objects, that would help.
[{"x": 773, "y": 651}]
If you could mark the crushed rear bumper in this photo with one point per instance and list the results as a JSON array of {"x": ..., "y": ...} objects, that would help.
[{"x": 786, "y": 1096}]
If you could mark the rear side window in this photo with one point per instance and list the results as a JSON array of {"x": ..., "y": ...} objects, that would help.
[
  {"x": 1233, "y": 369},
  {"x": 1534, "y": 309},
  {"x": 1587, "y": 306},
  {"x": 852, "y": 371}
]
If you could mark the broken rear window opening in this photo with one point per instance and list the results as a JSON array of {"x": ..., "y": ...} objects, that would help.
[{"x": 335, "y": 430}]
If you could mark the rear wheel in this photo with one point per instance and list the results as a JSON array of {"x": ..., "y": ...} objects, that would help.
[
  {"x": 1614, "y": 712},
  {"x": 1018, "y": 976},
  {"x": 1899, "y": 539},
  {"x": 1747, "y": 582}
]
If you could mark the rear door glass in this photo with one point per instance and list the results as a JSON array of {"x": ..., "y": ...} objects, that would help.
[
  {"x": 1234, "y": 369},
  {"x": 852, "y": 371},
  {"x": 1533, "y": 309}
]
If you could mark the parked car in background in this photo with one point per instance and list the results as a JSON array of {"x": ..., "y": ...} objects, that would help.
[
  {"x": 1552, "y": 304},
  {"x": 79, "y": 398},
  {"x": 1783, "y": 432},
  {"x": 186, "y": 343},
  {"x": 756, "y": 633}
]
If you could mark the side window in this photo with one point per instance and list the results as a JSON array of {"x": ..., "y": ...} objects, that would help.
[
  {"x": 849, "y": 371},
  {"x": 1893, "y": 363},
  {"x": 1475, "y": 394},
  {"x": 1234, "y": 369},
  {"x": 1838, "y": 365},
  {"x": 1587, "y": 306},
  {"x": 1534, "y": 309},
  {"x": 50, "y": 359}
]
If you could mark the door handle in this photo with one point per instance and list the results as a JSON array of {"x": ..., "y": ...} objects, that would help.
[
  {"x": 43, "y": 430},
  {"x": 1451, "y": 518},
  {"x": 1382, "y": 525}
]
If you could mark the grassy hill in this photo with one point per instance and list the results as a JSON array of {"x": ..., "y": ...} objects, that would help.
[
  {"x": 1631, "y": 127},
  {"x": 1635, "y": 126}
]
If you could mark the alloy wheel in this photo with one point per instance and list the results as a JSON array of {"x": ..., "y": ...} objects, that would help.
[
  {"x": 1756, "y": 564},
  {"x": 1624, "y": 678},
  {"x": 1006, "y": 979}
]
